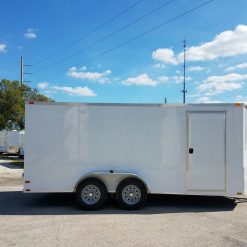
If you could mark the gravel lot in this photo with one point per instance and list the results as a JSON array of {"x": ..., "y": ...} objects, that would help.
[
  {"x": 54, "y": 220},
  {"x": 11, "y": 172}
]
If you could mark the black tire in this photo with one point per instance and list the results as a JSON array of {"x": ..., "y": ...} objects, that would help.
[
  {"x": 137, "y": 194},
  {"x": 91, "y": 186}
]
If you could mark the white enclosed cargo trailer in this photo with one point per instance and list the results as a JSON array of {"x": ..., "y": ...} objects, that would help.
[
  {"x": 9, "y": 141},
  {"x": 135, "y": 149}
]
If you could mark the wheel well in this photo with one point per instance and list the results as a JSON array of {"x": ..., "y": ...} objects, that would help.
[
  {"x": 136, "y": 178},
  {"x": 85, "y": 179}
]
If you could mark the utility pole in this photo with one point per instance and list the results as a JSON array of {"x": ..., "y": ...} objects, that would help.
[
  {"x": 22, "y": 71},
  {"x": 22, "y": 75},
  {"x": 184, "y": 91}
]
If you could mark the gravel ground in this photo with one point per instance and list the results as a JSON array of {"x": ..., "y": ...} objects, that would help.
[
  {"x": 54, "y": 220},
  {"x": 11, "y": 170}
]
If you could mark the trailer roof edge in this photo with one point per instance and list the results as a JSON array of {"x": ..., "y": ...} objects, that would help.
[{"x": 134, "y": 104}]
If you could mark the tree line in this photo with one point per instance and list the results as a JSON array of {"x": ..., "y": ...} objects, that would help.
[{"x": 12, "y": 103}]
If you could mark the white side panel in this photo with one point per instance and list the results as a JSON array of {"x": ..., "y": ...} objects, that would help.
[
  {"x": 51, "y": 147},
  {"x": 148, "y": 141},
  {"x": 206, "y": 165}
]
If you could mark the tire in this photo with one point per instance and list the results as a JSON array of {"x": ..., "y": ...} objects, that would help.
[
  {"x": 131, "y": 194},
  {"x": 91, "y": 194}
]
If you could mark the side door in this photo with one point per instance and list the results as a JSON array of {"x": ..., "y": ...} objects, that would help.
[{"x": 206, "y": 151}]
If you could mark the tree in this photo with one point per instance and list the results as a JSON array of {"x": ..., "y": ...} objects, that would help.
[{"x": 12, "y": 103}]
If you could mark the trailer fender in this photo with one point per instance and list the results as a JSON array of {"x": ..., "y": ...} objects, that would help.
[{"x": 111, "y": 179}]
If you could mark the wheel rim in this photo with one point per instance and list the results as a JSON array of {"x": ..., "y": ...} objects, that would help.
[
  {"x": 90, "y": 194},
  {"x": 131, "y": 194}
]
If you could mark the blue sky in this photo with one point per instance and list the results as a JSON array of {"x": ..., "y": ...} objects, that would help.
[{"x": 145, "y": 70}]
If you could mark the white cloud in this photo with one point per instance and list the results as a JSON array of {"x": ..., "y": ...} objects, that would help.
[
  {"x": 237, "y": 66},
  {"x": 164, "y": 55},
  {"x": 73, "y": 91},
  {"x": 30, "y": 33},
  {"x": 219, "y": 84},
  {"x": 145, "y": 80},
  {"x": 207, "y": 100},
  {"x": 226, "y": 44},
  {"x": 195, "y": 68},
  {"x": 3, "y": 47},
  {"x": 180, "y": 79},
  {"x": 202, "y": 100},
  {"x": 80, "y": 73},
  {"x": 194, "y": 95},
  {"x": 159, "y": 66},
  {"x": 141, "y": 80},
  {"x": 43, "y": 85},
  {"x": 163, "y": 78}
]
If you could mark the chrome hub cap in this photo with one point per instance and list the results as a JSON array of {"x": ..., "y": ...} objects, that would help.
[
  {"x": 90, "y": 194},
  {"x": 131, "y": 194}
]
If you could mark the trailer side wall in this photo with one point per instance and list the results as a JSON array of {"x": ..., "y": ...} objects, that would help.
[{"x": 65, "y": 142}]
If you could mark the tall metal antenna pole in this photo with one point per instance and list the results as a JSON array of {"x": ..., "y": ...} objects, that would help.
[
  {"x": 184, "y": 91},
  {"x": 22, "y": 72}
]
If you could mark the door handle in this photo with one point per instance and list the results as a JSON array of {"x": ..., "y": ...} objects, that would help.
[{"x": 191, "y": 150}]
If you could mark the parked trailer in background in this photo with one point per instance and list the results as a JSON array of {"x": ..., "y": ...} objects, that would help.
[
  {"x": 10, "y": 141},
  {"x": 135, "y": 149}
]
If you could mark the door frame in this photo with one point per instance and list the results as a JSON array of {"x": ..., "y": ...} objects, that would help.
[{"x": 187, "y": 153}]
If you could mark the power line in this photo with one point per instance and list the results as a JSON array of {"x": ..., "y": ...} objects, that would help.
[
  {"x": 107, "y": 36},
  {"x": 136, "y": 37},
  {"x": 90, "y": 33},
  {"x": 90, "y": 7}
]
